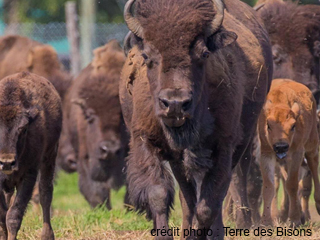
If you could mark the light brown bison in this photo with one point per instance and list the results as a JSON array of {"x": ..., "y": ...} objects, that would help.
[
  {"x": 288, "y": 133},
  {"x": 19, "y": 53},
  {"x": 30, "y": 126},
  {"x": 95, "y": 127},
  {"x": 294, "y": 32},
  {"x": 191, "y": 92}
]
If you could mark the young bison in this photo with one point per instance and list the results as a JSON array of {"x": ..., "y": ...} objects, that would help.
[
  {"x": 30, "y": 126},
  {"x": 288, "y": 133},
  {"x": 95, "y": 126}
]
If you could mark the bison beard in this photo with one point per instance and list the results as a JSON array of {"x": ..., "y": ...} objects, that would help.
[{"x": 182, "y": 137}]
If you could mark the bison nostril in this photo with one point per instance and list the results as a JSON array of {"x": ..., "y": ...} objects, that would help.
[
  {"x": 104, "y": 148},
  {"x": 186, "y": 105},
  {"x": 281, "y": 148},
  {"x": 13, "y": 163},
  {"x": 164, "y": 103},
  {"x": 1, "y": 163}
]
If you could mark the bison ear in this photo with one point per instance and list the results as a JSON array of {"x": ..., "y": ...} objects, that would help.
[
  {"x": 97, "y": 62},
  {"x": 221, "y": 39},
  {"x": 267, "y": 106},
  {"x": 129, "y": 41},
  {"x": 296, "y": 110},
  {"x": 30, "y": 59}
]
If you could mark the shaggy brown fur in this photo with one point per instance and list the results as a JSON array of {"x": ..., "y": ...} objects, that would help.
[
  {"x": 294, "y": 31},
  {"x": 178, "y": 28},
  {"x": 224, "y": 94},
  {"x": 22, "y": 54},
  {"x": 30, "y": 126},
  {"x": 95, "y": 127}
]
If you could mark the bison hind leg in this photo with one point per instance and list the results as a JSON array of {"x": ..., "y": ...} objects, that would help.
[{"x": 46, "y": 192}]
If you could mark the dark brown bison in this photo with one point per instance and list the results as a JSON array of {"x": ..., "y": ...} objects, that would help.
[
  {"x": 19, "y": 53},
  {"x": 191, "y": 92},
  {"x": 30, "y": 126},
  {"x": 95, "y": 126},
  {"x": 294, "y": 32}
]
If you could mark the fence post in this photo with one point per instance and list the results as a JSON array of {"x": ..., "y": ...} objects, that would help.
[
  {"x": 87, "y": 29},
  {"x": 73, "y": 37}
]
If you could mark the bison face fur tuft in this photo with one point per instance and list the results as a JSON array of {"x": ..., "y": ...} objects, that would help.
[{"x": 14, "y": 127}]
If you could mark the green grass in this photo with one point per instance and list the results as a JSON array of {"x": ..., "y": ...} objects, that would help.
[{"x": 73, "y": 219}]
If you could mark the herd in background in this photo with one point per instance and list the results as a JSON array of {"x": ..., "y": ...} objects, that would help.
[{"x": 192, "y": 102}]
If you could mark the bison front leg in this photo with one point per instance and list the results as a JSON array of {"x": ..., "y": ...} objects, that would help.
[
  {"x": 46, "y": 191},
  {"x": 211, "y": 193},
  {"x": 17, "y": 210},
  {"x": 239, "y": 191},
  {"x": 313, "y": 163},
  {"x": 305, "y": 187},
  {"x": 3, "y": 213},
  {"x": 187, "y": 195},
  {"x": 150, "y": 185},
  {"x": 267, "y": 166},
  {"x": 292, "y": 185}
]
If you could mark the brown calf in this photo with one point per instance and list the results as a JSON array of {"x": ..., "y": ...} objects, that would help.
[
  {"x": 288, "y": 132},
  {"x": 30, "y": 126}
]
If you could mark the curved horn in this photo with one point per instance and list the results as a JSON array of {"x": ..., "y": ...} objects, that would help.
[
  {"x": 217, "y": 21},
  {"x": 131, "y": 21},
  {"x": 256, "y": 8}
]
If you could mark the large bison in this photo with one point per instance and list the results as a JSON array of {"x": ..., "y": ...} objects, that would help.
[
  {"x": 94, "y": 125},
  {"x": 294, "y": 32},
  {"x": 191, "y": 92},
  {"x": 19, "y": 53},
  {"x": 30, "y": 126},
  {"x": 288, "y": 133}
]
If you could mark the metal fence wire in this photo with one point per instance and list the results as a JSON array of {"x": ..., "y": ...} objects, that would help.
[{"x": 55, "y": 34}]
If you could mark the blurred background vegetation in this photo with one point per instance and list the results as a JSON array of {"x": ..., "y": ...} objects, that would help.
[{"x": 45, "y": 11}]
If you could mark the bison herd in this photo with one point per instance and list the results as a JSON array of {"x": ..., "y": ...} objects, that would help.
[{"x": 189, "y": 97}]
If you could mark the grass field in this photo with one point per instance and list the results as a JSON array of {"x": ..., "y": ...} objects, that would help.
[{"x": 73, "y": 219}]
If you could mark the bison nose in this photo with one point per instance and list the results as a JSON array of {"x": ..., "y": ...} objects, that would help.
[
  {"x": 7, "y": 165},
  {"x": 71, "y": 162},
  {"x": 175, "y": 101},
  {"x": 103, "y": 151},
  {"x": 281, "y": 149}
]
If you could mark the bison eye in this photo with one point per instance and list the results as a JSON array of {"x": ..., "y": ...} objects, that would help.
[
  {"x": 145, "y": 56},
  {"x": 268, "y": 126},
  {"x": 205, "y": 54},
  {"x": 293, "y": 127},
  {"x": 22, "y": 129}
]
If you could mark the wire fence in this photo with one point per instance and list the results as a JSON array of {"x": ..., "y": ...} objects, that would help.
[{"x": 55, "y": 34}]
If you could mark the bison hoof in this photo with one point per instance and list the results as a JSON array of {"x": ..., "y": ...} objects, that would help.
[
  {"x": 47, "y": 233},
  {"x": 295, "y": 223}
]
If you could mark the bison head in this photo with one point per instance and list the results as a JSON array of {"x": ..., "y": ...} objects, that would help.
[
  {"x": 280, "y": 126},
  {"x": 176, "y": 43},
  {"x": 14, "y": 125},
  {"x": 102, "y": 143},
  {"x": 294, "y": 32}
]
